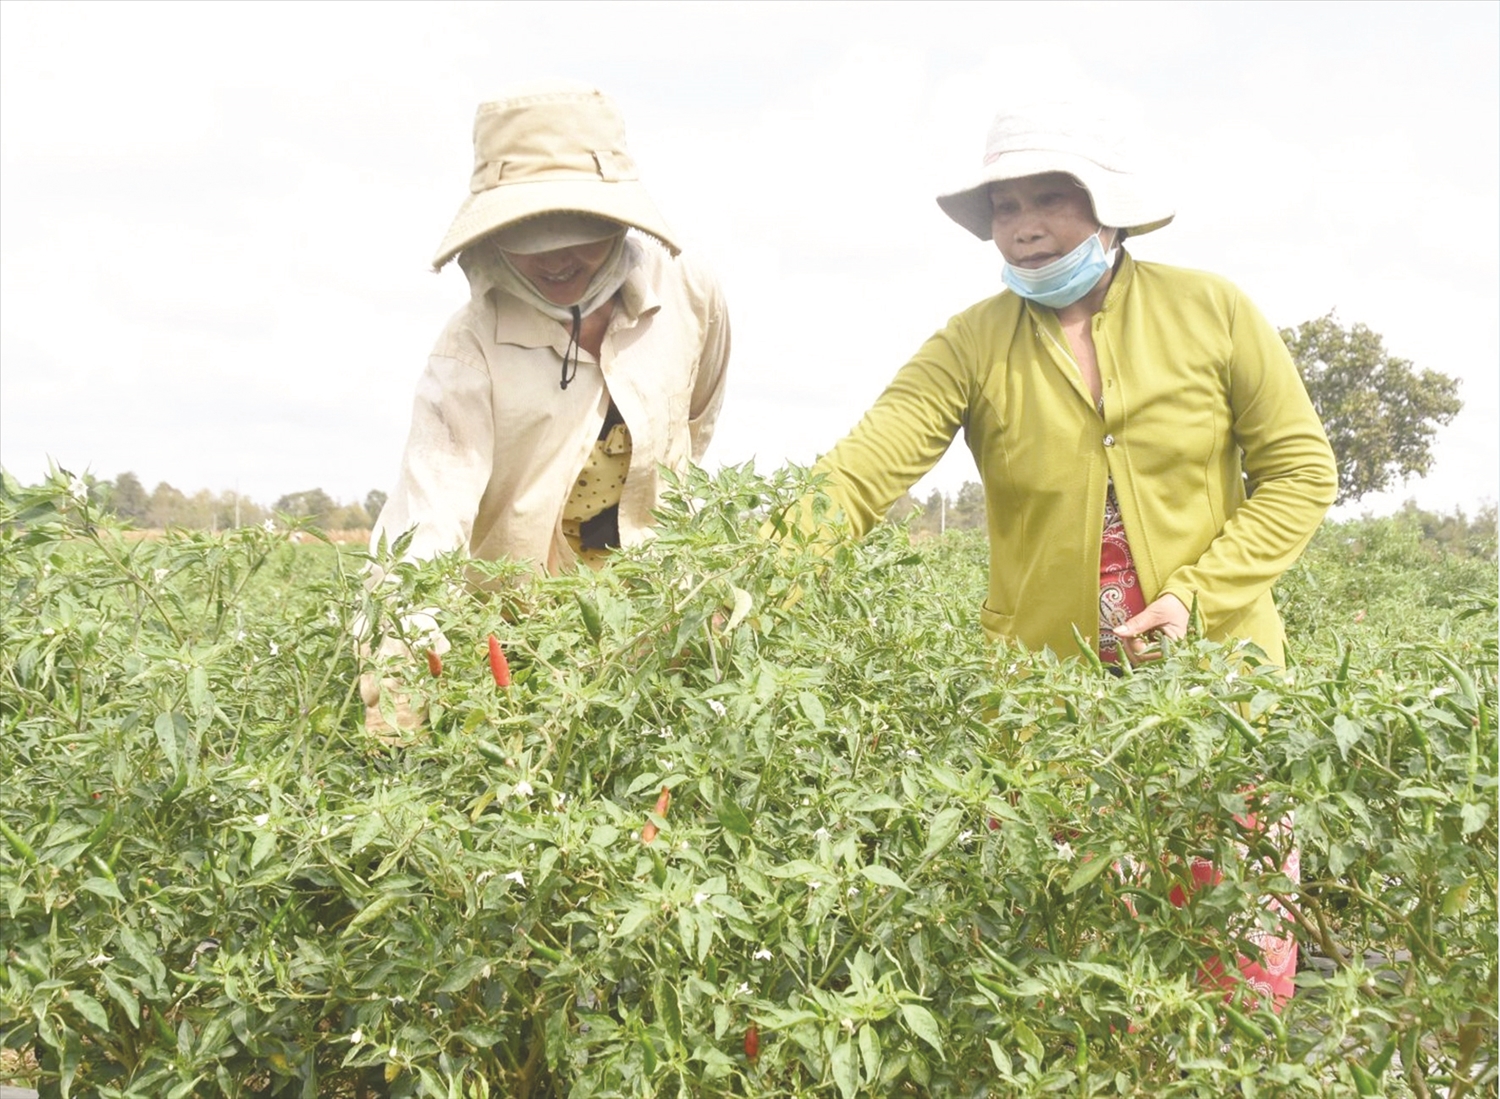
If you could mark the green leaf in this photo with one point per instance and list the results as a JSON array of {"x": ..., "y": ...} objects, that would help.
[
  {"x": 124, "y": 997},
  {"x": 463, "y": 974},
  {"x": 370, "y": 825},
  {"x": 637, "y": 916},
  {"x": 812, "y": 709},
  {"x": 671, "y": 1013},
  {"x": 944, "y": 829},
  {"x": 845, "y": 1072},
  {"x": 884, "y": 875},
  {"x": 874, "y": 803},
  {"x": 1345, "y": 734},
  {"x": 742, "y": 605},
  {"x": 1088, "y": 870},
  {"x": 166, "y": 738},
  {"x": 265, "y": 843},
  {"x": 373, "y": 911},
  {"x": 732, "y": 818},
  {"x": 90, "y": 1008},
  {"x": 1027, "y": 1040},
  {"x": 1473, "y": 815},
  {"x": 1000, "y": 1057},
  {"x": 104, "y": 888},
  {"x": 923, "y": 1025},
  {"x": 869, "y": 1052}
]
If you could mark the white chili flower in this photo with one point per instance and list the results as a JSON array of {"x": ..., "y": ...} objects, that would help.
[
  {"x": 275, "y": 648},
  {"x": 515, "y": 876},
  {"x": 762, "y": 955},
  {"x": 698, "y": 899},
  {"x": 965, "y": 836},
  {"x": 1065, "y": 851},
  {"x": 357, "y": 1037},
  {"x": 743, "y": 990},
  {"x": 262, "y": 819},
  {"x": 523, "y": 789},
  {"x": 717, "y": 707},
  {"x": 79, "y": 490}
]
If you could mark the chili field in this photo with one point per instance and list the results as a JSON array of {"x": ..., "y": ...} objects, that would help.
[{"x": 747, "y": 817}]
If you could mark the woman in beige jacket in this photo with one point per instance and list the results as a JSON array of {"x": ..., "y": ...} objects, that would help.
[{"x": 590, "y": 354}]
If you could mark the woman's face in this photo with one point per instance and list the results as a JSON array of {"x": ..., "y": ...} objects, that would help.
[
  {"x": 1038, "y": 219},
  {"x": 561, "y": 276}
]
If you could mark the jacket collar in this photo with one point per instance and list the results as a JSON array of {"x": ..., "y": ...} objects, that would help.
[{"x": 520, "y": 325}]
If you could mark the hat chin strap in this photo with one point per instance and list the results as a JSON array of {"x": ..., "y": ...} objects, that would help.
[{"x": 487, "y": 265}]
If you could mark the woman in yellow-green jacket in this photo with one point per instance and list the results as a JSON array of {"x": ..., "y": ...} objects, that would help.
[{"x": 1143, "y": 438}]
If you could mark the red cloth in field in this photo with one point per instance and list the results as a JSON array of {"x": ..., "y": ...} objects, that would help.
[{"x": 1273, "y": 973}]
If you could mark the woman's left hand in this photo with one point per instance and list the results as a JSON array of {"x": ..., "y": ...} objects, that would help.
[{"x": 1166, "y": 617}]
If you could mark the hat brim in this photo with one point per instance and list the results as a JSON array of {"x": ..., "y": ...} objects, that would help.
[
  {"x": 624, "y": 201},
  {"x": 1121, "y": 200}
]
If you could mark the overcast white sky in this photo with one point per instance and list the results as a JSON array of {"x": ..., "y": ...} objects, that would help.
[{"x": 215, "y": 219}]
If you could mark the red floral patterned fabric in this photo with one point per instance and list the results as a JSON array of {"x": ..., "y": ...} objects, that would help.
[{"x": 1120, "y": 596}]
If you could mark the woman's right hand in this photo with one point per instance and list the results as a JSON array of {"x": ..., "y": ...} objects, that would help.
[{"x": 1165, "y": 617}]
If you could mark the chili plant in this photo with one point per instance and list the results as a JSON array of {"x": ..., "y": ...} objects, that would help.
[{"x": 748, "y": 817}]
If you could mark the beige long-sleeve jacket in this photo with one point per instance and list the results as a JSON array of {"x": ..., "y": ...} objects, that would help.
[{"x": 496, "y": 446}]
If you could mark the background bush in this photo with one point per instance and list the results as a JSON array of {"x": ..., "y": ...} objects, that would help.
[{"x": 910, "y": 862}]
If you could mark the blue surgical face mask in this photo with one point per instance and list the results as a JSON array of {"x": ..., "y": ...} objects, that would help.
[{"x": 1065, "y": 279}]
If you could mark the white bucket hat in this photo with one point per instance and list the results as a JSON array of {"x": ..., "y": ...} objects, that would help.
[
  {"x": 549, "y": 149},
  {"x": 1062, "y": 138}
]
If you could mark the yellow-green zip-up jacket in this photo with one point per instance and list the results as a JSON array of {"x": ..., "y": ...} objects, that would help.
[{"x": 1198, "y": 389}]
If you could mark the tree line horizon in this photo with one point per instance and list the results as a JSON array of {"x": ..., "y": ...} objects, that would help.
[{"x": 1381, "y": 414}]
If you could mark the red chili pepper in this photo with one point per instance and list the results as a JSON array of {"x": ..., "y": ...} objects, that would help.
[
  {"x": 663, "y": 802},
  {"x": 499, "y": 667},
  {"x": 752, "y": 1042},
  {"x": 994, "y": 824},
  {"x": 434, "y": 663}
]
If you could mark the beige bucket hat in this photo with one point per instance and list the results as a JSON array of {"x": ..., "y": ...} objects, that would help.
[
  {"x": 1062, "y": 138},
  {"x": 551, "y": 148}
]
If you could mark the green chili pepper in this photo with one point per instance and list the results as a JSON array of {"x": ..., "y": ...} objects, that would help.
[
  {"x": 589, "y": 610},
  {"x": 18, "y": 844}
]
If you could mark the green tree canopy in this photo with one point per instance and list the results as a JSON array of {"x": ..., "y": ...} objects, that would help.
[
  {"x": 1380, "y": 412},
  {"x": 313, "y": 503},
  {"x": 128, "y": 498}
]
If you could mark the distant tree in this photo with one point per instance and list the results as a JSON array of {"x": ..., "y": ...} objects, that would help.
[
  {"x": 313, "y": 503},
  {"x": 1457, "y": 534},
  {"x": 935, "y": 513},
  {"x": 168, "y": 507},
  {"x": 128, "y": 498},
  {"x": 349, "y": 517},
  {"x": 904, "y": 506},
  {"x": 374, "y": 501},
  {"x": 1381, "y": 414},
  {"x": 967, "y": 512}
]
